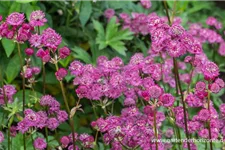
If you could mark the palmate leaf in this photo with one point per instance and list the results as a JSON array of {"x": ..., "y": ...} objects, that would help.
[{"x": 112, "y": 36}]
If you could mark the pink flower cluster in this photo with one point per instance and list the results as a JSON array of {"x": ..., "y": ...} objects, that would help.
[
  {"x": 6, "y": 93},
  {"x": 87, "y": 141},
  {"x": 132, "y": 128},
  {"x": 51, "y": 119}
]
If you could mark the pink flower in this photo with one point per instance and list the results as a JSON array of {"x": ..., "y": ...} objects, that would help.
[
  {"x": 167, "y": 100},
  {"x": 37, "y": 18},
  {"x": 61, "y": 73},
  {"x": 210, "y": 70},
  {"x": 40, "y": 144},
  {"x": 29, "y": 51},
  {"x": 109, "y": 13},
  {"x": 65, "y": 141},
  {"x": 64, "y": 52},
  {"x": 51, "y": 39},
  {"x": 44, "y": 55},
  {"x": 214, "y": 88},
  {"x": 15, "y": 19},
  {"x": 52, "y": 123},
  {"x": 155, "y": 91},
  {"x": 1, "y": 137},
  {"x": 146, "y": 3},
  {"x": 35, "y": 40}
]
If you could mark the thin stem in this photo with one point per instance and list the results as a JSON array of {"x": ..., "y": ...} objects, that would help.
[
  {"x": 96, "y": 137},
  {"x": 167, "y": 12},
  {"x": 23, "y": 78},
  {"x": 183, "y": 102},
  {"x": 32, "y": 138},
  {"x": 67, "y": 108},
  {"x": 44, "y": 77},
  {"x": 5, "y": 98},
  {"x": 191, "y": 75},
  {"x": 46, "y": 134},
  {"x": 155, "y": 128},
  {"x": 9, "y": 138},
  {"x": 209, "y": 128}
]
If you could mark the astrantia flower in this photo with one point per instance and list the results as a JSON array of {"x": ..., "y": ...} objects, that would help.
[
  {"x": 86, "y": 140},
  {"x": 40, "y": 144},
  {"x": 169, "y": 133},
  {"x": 52, "y": 123},
  {"x": 46, "y": 100},
  {"x": 65, "y": 141},
  {"x": 35, "y": 40},
  {"x": 109, "y": 13},
  {"x": 155, "y": 91},
  {"x": 167, "y": 100},
  {"x": 210, "y": 70},
  {"x": 15, "y": 19},
  {"x": 64, "y": 52},
  {"x": 214, "y": 88},
  {"x": 37, "y": 18},
  {"x": 146, "y": 3},
  {"x": 62, "y": 115},
  {"x": 61, "y": 73},
  {"x": 76, "y": 68},
  {"x": 44, "y": 55},
  {"x": 200, "y": 86},
  {"x": 51, "y": 39},
  {"x": 29, "y": 51},
  {"x": 1, "y": 137}
]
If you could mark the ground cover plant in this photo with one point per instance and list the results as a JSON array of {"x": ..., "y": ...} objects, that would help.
[{"x": 112, "y": 75}]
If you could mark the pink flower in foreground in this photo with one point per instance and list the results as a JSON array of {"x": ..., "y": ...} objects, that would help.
[
  {"x": 37, "y": 18},
  {"x": 40, "y": 144},
  {"x": 15, "y": 19},
  {"x": 61, "y": 73},
  {"x": 146, "y": 3}
]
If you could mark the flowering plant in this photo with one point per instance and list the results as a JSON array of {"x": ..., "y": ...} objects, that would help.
[{"x": 170, "y": 91}]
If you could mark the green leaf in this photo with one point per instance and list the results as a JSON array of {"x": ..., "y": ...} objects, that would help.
[
  {"x": 13, "y": 68},
  {"x": 8, "y": 45},
  {"x": 81, "y": 54},
  {"x": 85, "y": 12},
  {"x": 25, "y": 1},
  {"x": 112, "y": 37},
  {"x": 15, "y": 7}
]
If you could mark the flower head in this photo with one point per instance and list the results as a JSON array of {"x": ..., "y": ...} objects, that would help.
[
  {"x": 37, "y": 18},
  {"x": 40, "y": 144},
  {"x": 15, "y": 19},
  {"x": 61, "y": 73},
  {"x": 64, "y": 52}
]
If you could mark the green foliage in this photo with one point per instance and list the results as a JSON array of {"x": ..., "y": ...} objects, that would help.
[
  {"x": 85, "y": 12},
  {"x": 8, "y": 45},
  {"x": 112, "y": 37}
]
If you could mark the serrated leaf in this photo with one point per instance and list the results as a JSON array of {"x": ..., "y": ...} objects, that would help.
[
  {"x": 8, "y": 45},
  {"x": 25, "y": 1},
  {"x": 15, "y": 7},
  {"x": 112, "y": 37},
  {"x": 85, "y": 12}
]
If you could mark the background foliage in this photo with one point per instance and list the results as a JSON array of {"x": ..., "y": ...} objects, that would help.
[{"x": 88, "y": 33}]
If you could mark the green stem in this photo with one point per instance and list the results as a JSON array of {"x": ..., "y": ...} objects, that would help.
[
  {"x": 67, "y": 108},
  {"x": 183, "y": 102},
  {"x": 209, "y": 128},
  {"x": 44, "y": 77},
  {"x": 155, "y": 128},
  {"x": 32, "y": 138},
  {"x": 191, "y": 75},
  {"x": 9, "y": 138},
  {"x": 23, "y": 78},
  {"x": 46, "y": 134}
]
